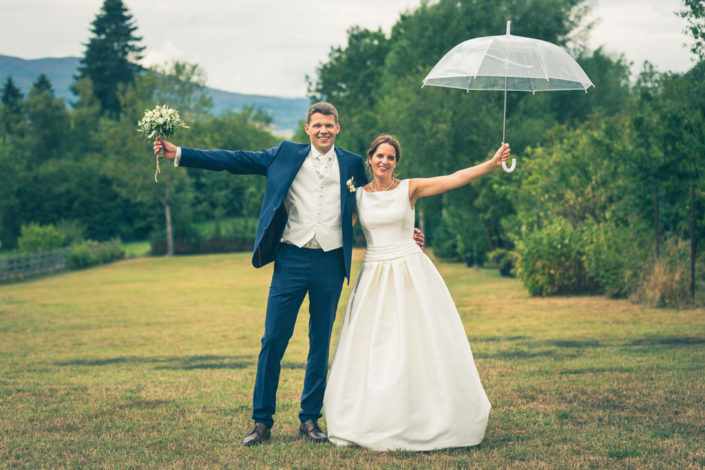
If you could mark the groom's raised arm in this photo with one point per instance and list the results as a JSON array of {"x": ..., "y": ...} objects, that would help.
[{"x": 233, "y": 161}]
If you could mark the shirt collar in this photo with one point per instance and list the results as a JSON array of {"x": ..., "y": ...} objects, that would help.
[{"x": 322, "y": 156}]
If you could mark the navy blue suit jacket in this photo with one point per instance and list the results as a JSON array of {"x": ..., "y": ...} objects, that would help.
[{"x": 280, "y": 165}]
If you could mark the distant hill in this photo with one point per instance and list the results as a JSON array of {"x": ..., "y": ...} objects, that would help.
[{"x": 286, "y": 112}]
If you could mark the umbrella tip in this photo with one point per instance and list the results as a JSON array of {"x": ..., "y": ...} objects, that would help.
[{"x": 509, "y": 27}]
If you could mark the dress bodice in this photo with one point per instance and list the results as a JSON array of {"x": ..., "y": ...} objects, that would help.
[{"x": 386, "y": 217}]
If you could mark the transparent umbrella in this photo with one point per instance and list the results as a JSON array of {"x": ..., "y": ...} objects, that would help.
[{"x": 508, "y": 63}]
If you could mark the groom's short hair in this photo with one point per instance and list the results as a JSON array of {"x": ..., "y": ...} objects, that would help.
[{"x": 322, "y": 107}]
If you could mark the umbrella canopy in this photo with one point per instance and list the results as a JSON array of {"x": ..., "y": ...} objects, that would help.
[{"x": 508, "y": 63}]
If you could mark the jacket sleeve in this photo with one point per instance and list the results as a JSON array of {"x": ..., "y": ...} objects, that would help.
[{"x": 240, "y": 162}]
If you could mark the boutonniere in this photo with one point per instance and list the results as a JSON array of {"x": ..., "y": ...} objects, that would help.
[{"x": 351, "y": 184}]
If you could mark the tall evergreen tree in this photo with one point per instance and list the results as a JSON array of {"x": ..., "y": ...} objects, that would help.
[
  {"x": 111, "y": 54},
  {"x": 43, "y": 84},
  {"x": 11, "y": 111},
  {"x": 11, "y": 97}
]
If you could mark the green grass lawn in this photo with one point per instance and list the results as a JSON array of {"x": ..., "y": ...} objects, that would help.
[{"x": 150, "y": 362}]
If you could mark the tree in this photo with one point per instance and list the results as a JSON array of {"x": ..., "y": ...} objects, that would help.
[
  {"x": 694, "y": 14},
  {"x": 111, "y": 54},
  {"x": 47, "y": 124},
  {"x": 11, "y": 111},
  {"x": 43, "y": 84},
  {"x": 85, "y": 119}
]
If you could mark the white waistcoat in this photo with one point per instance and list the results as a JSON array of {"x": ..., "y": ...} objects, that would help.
[{"x": 313, "y": 206}]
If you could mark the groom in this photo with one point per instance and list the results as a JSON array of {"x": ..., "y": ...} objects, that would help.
[{"x": 305, "y": 227}]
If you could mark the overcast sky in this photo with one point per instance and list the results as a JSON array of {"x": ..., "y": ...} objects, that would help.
[{"x": 268, "y": 46}]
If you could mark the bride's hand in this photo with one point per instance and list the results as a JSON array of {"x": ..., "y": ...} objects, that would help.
[{"x": 501, "y": 155}]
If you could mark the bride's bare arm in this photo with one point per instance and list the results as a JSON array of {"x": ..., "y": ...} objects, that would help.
[{"x": 424, "y": 187}]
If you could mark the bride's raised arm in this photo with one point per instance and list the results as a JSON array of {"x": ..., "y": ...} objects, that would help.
[{"x": 423, "y": 187}]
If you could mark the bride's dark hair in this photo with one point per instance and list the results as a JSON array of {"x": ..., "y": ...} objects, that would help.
[{"x": 385, "y": 139}]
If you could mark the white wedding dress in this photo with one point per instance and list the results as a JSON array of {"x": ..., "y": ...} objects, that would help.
[{"x": 403, "y": 375}]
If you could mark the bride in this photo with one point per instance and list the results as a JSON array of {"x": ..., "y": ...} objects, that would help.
[{"x": 403, "y": 375}]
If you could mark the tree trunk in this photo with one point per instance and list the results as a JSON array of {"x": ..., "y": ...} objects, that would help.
[
  {"x": 657, "y": 234},
  {"x": 693, "y": 240},
  {"x": 169, "y": 230}
]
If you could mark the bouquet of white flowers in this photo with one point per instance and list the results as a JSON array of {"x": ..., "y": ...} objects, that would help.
[{"x": 161, "y": 121}]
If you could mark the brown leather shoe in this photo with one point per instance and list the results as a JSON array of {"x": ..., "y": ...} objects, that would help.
[
  {"x": 260, "y": 433},
  {"x": 311, "y": 430}
]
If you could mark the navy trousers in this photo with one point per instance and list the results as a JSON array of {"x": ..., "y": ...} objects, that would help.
[{"x": 298, "y": 271}]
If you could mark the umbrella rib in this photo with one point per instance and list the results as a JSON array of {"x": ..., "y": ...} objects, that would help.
[
  {"x": 507, "y": 61},
  {"x": 543, "y": 63},
  {"x": 489, "y": 44}
]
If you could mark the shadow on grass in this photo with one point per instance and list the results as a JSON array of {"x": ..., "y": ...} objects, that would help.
[
  {"x": 597, "y": 370},
  {"x": 495, "y": 339},
  {"x": 575, "y": 344},
  {"x": 517, "y": 354},
  {"x": 170, "y": 363},
  {"x": 293, "y": 365},
  {"x": 667, "y": 341}
]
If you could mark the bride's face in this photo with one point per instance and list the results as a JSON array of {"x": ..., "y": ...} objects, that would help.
[{"x": 383, "y": 161}]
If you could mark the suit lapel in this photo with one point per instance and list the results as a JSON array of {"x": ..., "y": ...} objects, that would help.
[
  {"x": 343, "y": 179},
  {"x": 298, "y": 160}
]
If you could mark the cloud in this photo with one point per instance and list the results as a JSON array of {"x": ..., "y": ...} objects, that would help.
[{"x": 168, "y": 52}]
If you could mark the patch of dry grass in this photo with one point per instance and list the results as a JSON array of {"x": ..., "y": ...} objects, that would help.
[{"x": 151, "y": 362}]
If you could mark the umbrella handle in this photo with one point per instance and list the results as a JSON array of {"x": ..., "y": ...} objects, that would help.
[{"x": 511, "y": 168}]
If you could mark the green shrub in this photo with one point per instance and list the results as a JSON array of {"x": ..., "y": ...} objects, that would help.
[
  {"x": 505, "y": 261},
  {"x": 615, "y": 257},
  {"x": 552, "y": 261},
  {"x": 80, "y": 256},
  {"x": 109, "y": 251},
  {"x": 89, "y": 253},
  {"x": 35, "y": 237}
]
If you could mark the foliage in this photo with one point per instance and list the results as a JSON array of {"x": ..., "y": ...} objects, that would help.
[
  {"x": 694, "y": 14},
  {"x": 89, "y": 253},
  {"x": 505, "y": 261},
  {"x": 552, "y": 261},
  {"x": 72, "y": 231},
  {"x": 461, "y": 236},
  {"x": 111, "y": 54},
  {"x": 47, "y": 125},
  {"x": 11, "y": 110},
  {"x": 80, "y": 256},
  {"x": 615, "y": 257},
  {"x": 35, "y": 237}
]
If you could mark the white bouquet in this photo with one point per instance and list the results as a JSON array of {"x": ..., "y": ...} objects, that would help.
[{"x": 162, "y": 121}]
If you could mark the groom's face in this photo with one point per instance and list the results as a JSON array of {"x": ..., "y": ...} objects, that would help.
[{"x": 322, "y": 130}]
